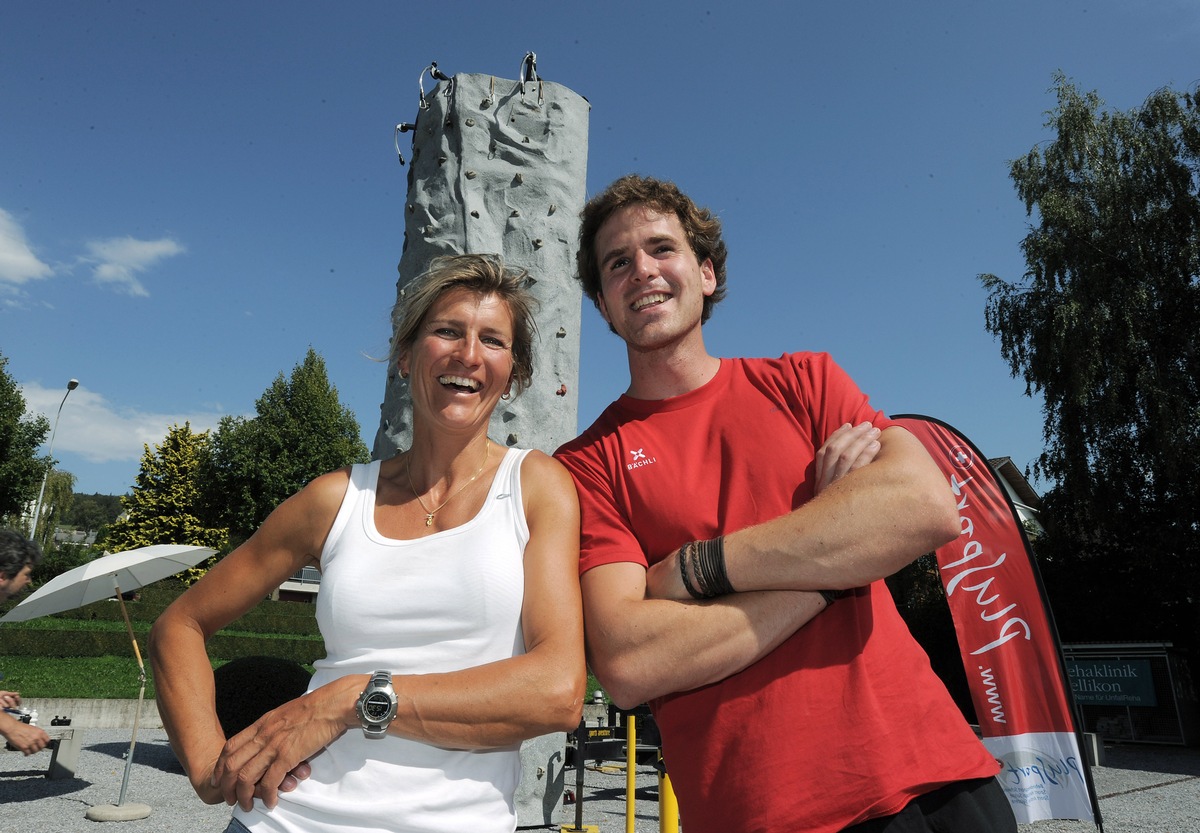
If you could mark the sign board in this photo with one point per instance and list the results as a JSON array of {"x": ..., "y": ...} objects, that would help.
[{"x": 1112, "y": 682}]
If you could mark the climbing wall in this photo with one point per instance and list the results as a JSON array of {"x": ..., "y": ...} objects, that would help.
[{"x": 498, "y": 165}]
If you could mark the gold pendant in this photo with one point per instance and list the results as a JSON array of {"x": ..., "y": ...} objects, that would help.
[{"x": 429, "y": 519}]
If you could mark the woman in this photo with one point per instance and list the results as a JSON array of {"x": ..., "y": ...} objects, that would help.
[{"x": 451, "y": 567}]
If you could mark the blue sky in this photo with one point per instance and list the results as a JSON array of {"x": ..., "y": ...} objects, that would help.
[{"x": 192, "y": 194}]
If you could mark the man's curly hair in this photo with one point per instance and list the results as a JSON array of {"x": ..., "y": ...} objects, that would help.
[{"x": 701, "y": 226}]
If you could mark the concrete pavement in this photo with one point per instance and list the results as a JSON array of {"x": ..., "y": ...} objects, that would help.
[{"x": 1141, "y": 788}]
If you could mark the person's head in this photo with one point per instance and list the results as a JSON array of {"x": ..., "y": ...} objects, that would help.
[
  {"x": 482, "y": 276},
  {"x": 18, "y": 557},
  {"x": 702, "y": 228}
]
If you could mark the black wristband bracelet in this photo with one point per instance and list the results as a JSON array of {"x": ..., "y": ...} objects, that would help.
[
  {"x": 685, "y": 565},
  {"x": 702, "y": 568},
  {"x": 713, "y": 554}
]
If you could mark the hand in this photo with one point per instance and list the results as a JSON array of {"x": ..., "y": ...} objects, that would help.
[
  {"x": 271, "y": 755},
  {"x": 28, "y": 739},
  {"x": 9, "y": 700},
  {"x": 206, "y": 788},
  {"x": 848, "y": 448},
  {"x": 292, "y": 780},
  {"x": 664, "y": 582}
]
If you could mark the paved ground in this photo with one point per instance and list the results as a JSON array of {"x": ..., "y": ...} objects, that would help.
[{"x": 1142, "y": 788}]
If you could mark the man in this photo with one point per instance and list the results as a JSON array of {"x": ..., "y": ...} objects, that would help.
[
  {"x": 724, "y": 506},
  {"x": 18, "y": 557}
]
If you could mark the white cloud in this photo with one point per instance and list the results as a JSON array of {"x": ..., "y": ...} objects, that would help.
[
  {"x": 93, "y": 428},
  {"x": 18, "y": 263},
  {"x": 119, "y": 261}
]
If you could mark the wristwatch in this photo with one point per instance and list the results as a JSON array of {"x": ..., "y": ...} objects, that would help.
[{"x": 376, "y": 706}]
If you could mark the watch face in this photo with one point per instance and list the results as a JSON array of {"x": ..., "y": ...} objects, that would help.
[{"x": 377, "y": 706}]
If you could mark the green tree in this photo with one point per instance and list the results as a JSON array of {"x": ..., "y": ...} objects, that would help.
[
  {"x": 1105, "y": 326},
  {"x": 162, "y": 507},
  {"x": 300, "y": 430},
  {"x": 94, "y": 511},
  {"x": 56, "y": 502},
  {"x": 61, "y": 559},
  {"x": 21, "y": 435}
]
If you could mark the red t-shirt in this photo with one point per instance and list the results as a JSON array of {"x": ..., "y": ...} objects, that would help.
[{"x": 845, "y": 720}]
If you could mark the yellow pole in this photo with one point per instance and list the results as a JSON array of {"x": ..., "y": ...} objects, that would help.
[
  {"x": 668, "y": 806},
  {"x": 630, "y": 772}
]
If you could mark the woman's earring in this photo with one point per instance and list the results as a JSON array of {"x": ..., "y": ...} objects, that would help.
[
  {"x": 505, "y": 395},
  {"x": 403, "y": 375}
]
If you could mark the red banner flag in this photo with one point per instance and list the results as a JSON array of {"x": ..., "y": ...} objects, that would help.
[{"x": 1007, "y": 639}]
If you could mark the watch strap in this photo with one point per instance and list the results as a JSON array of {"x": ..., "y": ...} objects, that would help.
[{"x": 380, "y": 683}]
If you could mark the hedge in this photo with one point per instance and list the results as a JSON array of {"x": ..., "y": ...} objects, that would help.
[
  {"x": 287, "y": 630},
  {"x": 91, "y": 643}
]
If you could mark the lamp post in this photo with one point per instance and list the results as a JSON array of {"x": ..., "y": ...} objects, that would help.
[{"x": 37, "y": 508}]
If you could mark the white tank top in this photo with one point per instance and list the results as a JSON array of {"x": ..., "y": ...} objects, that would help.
[{"x": 442, "y": 603}]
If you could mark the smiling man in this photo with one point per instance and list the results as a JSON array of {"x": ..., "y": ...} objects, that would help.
[{"x": 726, "y": 504}]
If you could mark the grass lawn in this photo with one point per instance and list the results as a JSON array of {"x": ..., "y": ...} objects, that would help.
[{"x": 105, "y": 678}]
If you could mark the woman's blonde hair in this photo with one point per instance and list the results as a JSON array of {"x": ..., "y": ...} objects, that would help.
[{"x": 482, "y": 275}]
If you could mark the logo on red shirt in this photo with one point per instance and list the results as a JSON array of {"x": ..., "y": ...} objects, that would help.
[{"x": 639, "y": 459}]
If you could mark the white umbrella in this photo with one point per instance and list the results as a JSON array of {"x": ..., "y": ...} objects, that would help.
[{"x": 108, "y": 576}]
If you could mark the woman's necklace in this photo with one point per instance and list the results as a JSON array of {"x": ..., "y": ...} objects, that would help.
[{"x": 429, "y": 513}]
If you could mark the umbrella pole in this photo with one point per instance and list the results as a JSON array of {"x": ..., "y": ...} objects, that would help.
[
  {"x": 137, "y": 715},
  {"x": 133, "y": 741},
  {"x": 122, "y": 811}
]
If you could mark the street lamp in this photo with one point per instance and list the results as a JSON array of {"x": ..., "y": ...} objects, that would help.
[{"x": 37, "y": 509}]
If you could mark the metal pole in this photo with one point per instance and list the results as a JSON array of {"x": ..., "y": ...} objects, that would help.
[
  {"x": 630, "y": 773},
  {"x": 122, "y": 811},
  {"x": 581, "y": 735},
  {"x": 137, "y": 717},
  {"x": 37, "y": 507},
  {"x": 580, "y": 751}
]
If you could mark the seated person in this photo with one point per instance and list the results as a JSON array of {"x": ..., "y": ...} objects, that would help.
[{"x": 18, "y": 557}]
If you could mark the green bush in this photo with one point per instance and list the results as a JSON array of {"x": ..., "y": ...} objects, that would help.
[
  {"x": 290, "y": 618},
  {"x": 79, "y": 677},
  {"x": 54, "y": 642},
  {"x": 304, "y": 650},
  {"x": 60, "y": 560},
  {"x": 269, "y": 620}
]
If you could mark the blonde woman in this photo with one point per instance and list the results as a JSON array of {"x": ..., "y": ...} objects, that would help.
[{"x": 449, "y": 602}]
